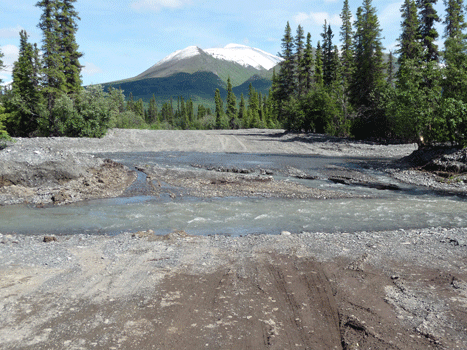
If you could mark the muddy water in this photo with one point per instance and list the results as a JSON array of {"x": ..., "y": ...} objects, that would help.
[{"x": 409, "y": 207}]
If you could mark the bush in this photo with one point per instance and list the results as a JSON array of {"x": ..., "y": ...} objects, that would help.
[
  {"x": 86, "y": 114},
  {"x": 3, "y": 133}
]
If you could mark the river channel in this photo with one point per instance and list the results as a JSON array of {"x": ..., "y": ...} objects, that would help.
[{"x": 405, "y": 208}]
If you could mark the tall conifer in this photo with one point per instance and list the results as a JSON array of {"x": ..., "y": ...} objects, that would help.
[
  {"x": 328, "y": 68},
  {"x": 368, "y": 74},
  {"x": 231, "y": 102},
  {"x": 286, "y": 73},
  {"x": 54, "y": 82},
  {"x": 25, "y": 87},
  {"x": 429, "y": 34},
  {"x": 67, "y": 17},
  {"x": 307, "y": 64},
  {"x": 346, "y": 35},
  {"x": 455, "y": 57},
  {"x": 318, "y": 74},
  {"x": 409, "y": 40},
  {"x": 300, "y": 69}
]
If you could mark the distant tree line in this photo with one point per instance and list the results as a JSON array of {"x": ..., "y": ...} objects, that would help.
[
  {"x": 349, "y": 90},
  {"x": 352, "y": 91}
]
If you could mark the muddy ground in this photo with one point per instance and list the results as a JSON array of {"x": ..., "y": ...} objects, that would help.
[{"x": 366, "y": 290}]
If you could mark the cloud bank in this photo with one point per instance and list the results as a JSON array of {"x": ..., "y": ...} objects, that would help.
[{"x": 157, "y": 5}]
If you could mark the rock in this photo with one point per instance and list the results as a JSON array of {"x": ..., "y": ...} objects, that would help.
[
  {"x": 143, "y": 234},
  {"x": 285, "y": 233},
  {"x": 48, "y": 239}
]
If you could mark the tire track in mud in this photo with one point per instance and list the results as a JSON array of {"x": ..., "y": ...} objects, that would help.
[{"x": 265, "y": 303}]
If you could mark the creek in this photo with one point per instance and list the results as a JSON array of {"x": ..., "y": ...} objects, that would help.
[{"x": 406, "y": 208}]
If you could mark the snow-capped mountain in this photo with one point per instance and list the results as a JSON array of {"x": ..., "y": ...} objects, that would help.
[
  {"x": 241, "y": 54},
  {"x": 190, "y": 51},
  {"x": 246, "y": 56},
  {"x": 240, "y": 62}
]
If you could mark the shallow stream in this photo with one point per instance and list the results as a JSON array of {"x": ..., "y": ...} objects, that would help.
[{"x": 409, "y": 207}]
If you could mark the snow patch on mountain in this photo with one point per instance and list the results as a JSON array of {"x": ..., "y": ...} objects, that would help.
[
  {"x": 188, "y": 52},
  {"x": 245, "y": 55}
]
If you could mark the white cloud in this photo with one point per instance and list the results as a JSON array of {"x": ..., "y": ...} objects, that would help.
[
  {"x": 10, "y": 32},
  {"x": 317, "y": 18},
  {"x": 91, "y": 69},
  {"x": 157, "y": 5},
  {"x": 11, "y": 53}
]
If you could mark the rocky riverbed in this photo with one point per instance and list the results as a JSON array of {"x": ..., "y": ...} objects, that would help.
[{"x": 402, "y": 289}]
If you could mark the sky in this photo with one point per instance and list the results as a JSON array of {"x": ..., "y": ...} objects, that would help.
[{"x": 120, "y": 39}]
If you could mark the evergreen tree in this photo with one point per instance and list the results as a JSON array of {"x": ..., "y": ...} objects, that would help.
[
  {"x": 231, "y": 103},
  {"x": 390, "y": 74},
  {"x": 242, "y": 109},
  {"x": 130, "y": 104},
  {"x": 139, "y": 108},
  {"x": 368, "y": 75},
  {"x": 67, "y": 17},
  {"x": 300, "y": 69},
  {"x": 54, "y": 84},
  {"x": 201, "y": 111},
  {"x": 454, "y": 104},
  {"x": 190, "y": 111},
  {"x": 428, "y": 32},
  {"x": 219, "y": 109},
  {"x": 152, "y": 110},
  {"x": 455, "y": 56},
  {"x": 318, "y": 75},
  {"x": 409, "y": 40},
  {"x": 328, "y": 63},
  {"x": 285, "y": 78},
  {"x": 346, "y": 35},
  {"x": 253, "y": 107},
  {"x": 307, "y": 64},
  {"x": 26, "y": 88}
]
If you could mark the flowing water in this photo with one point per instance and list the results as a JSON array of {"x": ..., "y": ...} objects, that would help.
[{"x": 409, "y": 207}]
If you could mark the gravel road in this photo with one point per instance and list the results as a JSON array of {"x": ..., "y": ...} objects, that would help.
[{"x": 309, "y": 290}]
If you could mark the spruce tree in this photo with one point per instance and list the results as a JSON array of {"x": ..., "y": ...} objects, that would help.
[
  {"x": 253, "y": 107},
  {"x": 346, "y": 35},
  {"x": 67, "y": 17},
  {"x": 318, "y": 74},
  {"x": 307, "y": 64},
  {"x": 242, "y": 110},
  {"x": 25, "y": 88},
  {"x": 130, "y": 103},
  {"x": 368, "y": 75},
  {"x": 152, "y": 111},
  {"x": 54, "y": 83},
  {"x": 409, "y": 40},
  {"x": 231, "y": 103},
  {"x": 328, "y": 69},
  {"x": 139, "y": 107},
  {"x": 390, "y": 73},
  {"x": 300, "y": 68},
  {"x": 286, "y": 74},
  {"x": 455, "y": 73},
  {"x": 429, "y": 34},
  {"x": 219, "y": 109}
]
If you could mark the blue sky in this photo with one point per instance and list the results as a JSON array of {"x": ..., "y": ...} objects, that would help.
[{"x": 120, "y": 39}]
